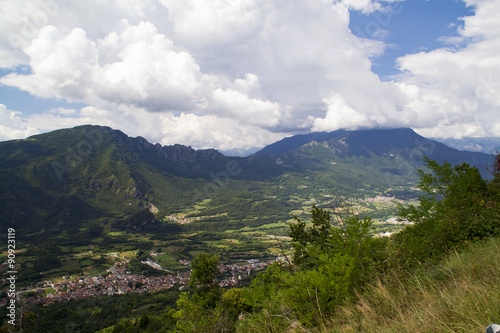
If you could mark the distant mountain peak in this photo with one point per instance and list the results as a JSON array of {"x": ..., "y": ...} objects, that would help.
[
  {"x": 488, "y": 145},
  {"x": 370, "y": 137},
  {"x": 402, "y": 143}
]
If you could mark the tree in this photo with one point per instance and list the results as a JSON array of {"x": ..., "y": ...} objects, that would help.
[
  {"x": 265, "y": 286},
  {"x": 338, "y": 231},
  {"x": 304, "y": 236},
  {"x": 335, "y": 256},
  {"x": 207, "y": 309},
  {"x": 204, "y": 270},
  {"x": 457, "y": 207}
]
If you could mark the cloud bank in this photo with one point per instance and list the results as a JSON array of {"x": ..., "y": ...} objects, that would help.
[{"x": 239, "y": 74}]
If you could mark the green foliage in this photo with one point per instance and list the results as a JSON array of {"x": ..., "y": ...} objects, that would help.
[
  {"x": 104, "y": 312},
  {"x": 233, "y": 303},
  {"x": 457, "y": 207},
  {"x": 204, "y": 270},
  {"x": 265, "y": 286},
  {"x": 266, "y": 309},
  {"x": 333, "y": 260},
  {"x": 349, "y": 237},
  {"x": 316, "y": 235},
  {"x": 208, "y": 309},
  {"x": 314, "y": 294},
  {"x": 192, "y": 316},
  {"x": 146, "y": 324},
  {"x": 460, "y": 294}
]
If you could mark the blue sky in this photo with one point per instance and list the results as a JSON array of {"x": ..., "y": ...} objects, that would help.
[
  {"x": 18, "y": 99},
  {"x": 412, "y": 27},
  {"x": 219, "y": 74}
]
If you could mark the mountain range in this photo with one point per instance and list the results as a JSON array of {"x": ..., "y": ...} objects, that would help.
[
  {"x": 488, "y": 145},
  {"x": 72, "y": 177}
]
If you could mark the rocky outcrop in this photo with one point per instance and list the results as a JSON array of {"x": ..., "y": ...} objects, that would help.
[
  {"x": 177, "y": 154},
  {"x": 187, "y": 156}
]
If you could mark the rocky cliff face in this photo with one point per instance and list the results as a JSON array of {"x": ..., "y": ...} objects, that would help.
[
  {"x": 335, "y": 146},
  {"x": 177, "y": 154},
  {"x": 187, "y": 156}
]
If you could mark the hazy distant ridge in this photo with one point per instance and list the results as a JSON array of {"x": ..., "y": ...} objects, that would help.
[{"x": 483, "y": 145}]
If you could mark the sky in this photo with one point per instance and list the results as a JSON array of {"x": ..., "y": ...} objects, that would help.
[{"x": 231, "y": 74}]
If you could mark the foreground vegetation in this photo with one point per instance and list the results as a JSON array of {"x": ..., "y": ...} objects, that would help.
[
  {"x": 438, "y": 275},
  {"x": 460, "y": 294}
]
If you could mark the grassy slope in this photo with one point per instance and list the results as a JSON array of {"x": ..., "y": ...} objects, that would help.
[{"x": 460, "y": 295}]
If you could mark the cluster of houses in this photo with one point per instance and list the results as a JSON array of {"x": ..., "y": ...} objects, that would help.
[
  {"x": 119, "y": 281},
  {"x": 395, "y": 220},
  {"x": 380, "y": 198},
  {"x": 180, "y": 220},
  {"x": 184, "y": 220}
]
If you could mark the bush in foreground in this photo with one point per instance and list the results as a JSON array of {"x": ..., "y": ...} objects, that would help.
[{"x": 459, "y": 295}]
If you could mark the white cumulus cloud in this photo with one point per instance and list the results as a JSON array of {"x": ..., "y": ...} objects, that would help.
[
  {"x": 459, "y": 89},
  {"x": 13, "y": 126},
  {"x": 232, "y": 74}
]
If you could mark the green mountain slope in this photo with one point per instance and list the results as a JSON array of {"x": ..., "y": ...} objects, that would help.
[
  {"x": 68, "y": 176},
  {"x": 90, "y": 172}
]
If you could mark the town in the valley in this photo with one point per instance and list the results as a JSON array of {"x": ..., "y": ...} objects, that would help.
[{"x": 119, "y": 281}]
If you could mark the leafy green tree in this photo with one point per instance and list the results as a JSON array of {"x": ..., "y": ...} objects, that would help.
[
  {"x": 265, "y": 286},
  {"x": 316, "y": 235},
  {"x": 191, "y": 316},
  {"x": 266, "y": 310},
  {"x": 194, "y": 316},
  {"x": 233, "y": 303},
  {"x": 457, "y": 207},
  {"x": 144, "y": 321},
  {"x": 353, "y": 239},
  {"x": 345, "y": 233},
  {"x": 207, "y": 309},
  {"x": 314, "y": 294},
  {"x": 334, "y": 257},
  {"x": 204, "y": 270}
]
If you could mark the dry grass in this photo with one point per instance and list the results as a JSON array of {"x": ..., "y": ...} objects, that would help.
[{"x": 461, "y": 295}]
